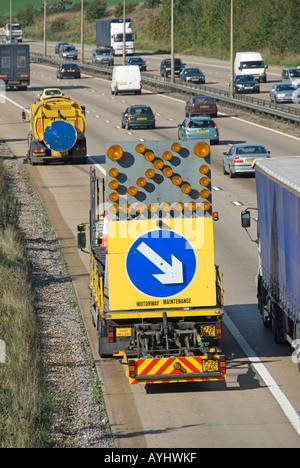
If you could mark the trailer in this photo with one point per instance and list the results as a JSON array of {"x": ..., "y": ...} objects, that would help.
[
  {"x": 15, "y": 66},
  {"x": 278, "y": 278},
  {"x": 156, "y": 293}
]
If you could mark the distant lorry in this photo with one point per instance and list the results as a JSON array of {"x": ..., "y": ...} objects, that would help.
[
  {"x": 16, "y": 31},
  {"x": 250, "y": 63},
  {"x": 15, "y": 65},
  {"x": 156, "y": 293},
  {"x": 278, "y": 278},
  {"x": 126, "y": 79},
  {"x": 57, "y": 129},
  {"x": 109, "y": 33}
]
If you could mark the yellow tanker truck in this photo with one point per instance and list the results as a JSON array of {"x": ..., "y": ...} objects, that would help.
[{"x": 57, "y": 129}]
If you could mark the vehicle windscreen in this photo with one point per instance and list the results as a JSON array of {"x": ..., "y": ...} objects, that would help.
[
  {"x": 128, "y": 37},
  {"x": 70, "y": 66},
  {"x": 286, "y": 87},
  {"x": 253, "y": 64},
  {"x": 203, "y": 100},
  {"x": 295, "y": 73},
  {"x": 103, "y": 52},
  {"x": 244, "y": 78},
  {"x": 251, "y": 150},
  {"x": 201, "y": 124},
  {"x": 141, "y": 110},
  {"x": 193, "y": 71}
]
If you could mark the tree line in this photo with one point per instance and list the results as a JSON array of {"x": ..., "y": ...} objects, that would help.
[{"x": 258, "y": 24}]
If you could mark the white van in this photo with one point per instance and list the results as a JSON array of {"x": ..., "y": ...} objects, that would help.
[
  {"x": 126, "y": 79},
  {"x": 250, "y": 63}
]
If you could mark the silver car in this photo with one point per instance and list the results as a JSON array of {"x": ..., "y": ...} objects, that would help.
[
  {"x": 103, "y": 57},
  {"x": 282, "y": 92},
  {"x": 291, "y": 75},
  {"x": 68, "y": 52},
  {"x": 240, "y": 158},
  {"x": 12, "y": 40}
]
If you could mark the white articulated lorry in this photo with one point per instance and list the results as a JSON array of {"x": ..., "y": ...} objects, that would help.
[{"x": 110, "y": 32}]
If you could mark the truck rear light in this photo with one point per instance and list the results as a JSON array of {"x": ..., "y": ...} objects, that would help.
[
  {"x": 131, "y": 364},
  {"x": 222, "y": 364},
  {"x": 111, "y": 334},
  {"x": 38, "y": 151},
  {"x": 219, "y": 331},
  {"x": 177, "y": 365}
]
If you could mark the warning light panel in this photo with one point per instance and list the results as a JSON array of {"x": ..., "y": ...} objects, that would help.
[{"x": 158, "y": 177}]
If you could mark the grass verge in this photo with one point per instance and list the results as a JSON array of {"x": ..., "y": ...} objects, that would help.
[{"x": 24, "y": 404}]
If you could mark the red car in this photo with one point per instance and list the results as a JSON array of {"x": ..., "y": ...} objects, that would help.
[{"x": 201, "y": 105}]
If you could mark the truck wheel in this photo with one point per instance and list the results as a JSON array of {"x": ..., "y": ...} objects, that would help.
[{"x": 276, "y": 324}]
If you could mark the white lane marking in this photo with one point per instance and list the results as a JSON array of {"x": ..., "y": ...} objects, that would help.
[
  {"x": 13, "y": 102},
  {"x": 279, "y": 396}
]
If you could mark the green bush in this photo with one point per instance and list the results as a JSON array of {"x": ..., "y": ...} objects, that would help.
[
  {"x": 58, "y": 25},
  {"x": 95, "y": 10}
]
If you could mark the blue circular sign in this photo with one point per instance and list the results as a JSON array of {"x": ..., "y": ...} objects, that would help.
[
  {"x": 60, "y": 135},
  {"x": 161, "y": 263}
]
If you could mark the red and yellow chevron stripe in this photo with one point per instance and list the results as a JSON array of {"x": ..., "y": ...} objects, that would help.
[{"x": 176, "y": 369}]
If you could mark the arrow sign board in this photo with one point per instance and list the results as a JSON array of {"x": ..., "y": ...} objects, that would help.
[
  {"x": 161, "y": 263},
  {"x": 172, "y": 274},
  {"x": 150, "y": 267}
]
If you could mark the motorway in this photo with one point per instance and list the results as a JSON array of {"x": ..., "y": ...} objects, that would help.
[
  {"x": 217, "y": 72},
  {"x": 259, "y": 404}
]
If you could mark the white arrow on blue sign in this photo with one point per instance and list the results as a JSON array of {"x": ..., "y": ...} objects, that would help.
[{"x": 161, "y": 263}]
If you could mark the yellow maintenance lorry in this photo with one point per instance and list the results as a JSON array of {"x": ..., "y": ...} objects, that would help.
[
  {"x": 156, "y": 294},
  {"x": 57, "y": 129}
]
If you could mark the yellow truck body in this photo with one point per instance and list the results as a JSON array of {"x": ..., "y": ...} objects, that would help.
[{"x": 156, "y": 293}]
